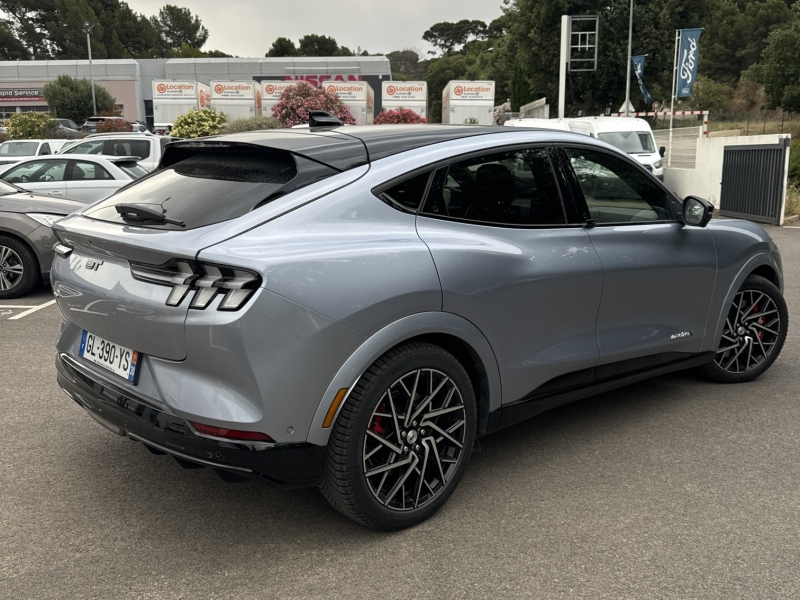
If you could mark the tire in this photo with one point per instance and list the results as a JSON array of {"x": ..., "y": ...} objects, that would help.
[
  {"x": 366, "y": 437},
  {"x": 19, "y": 268},
  {"x": 750, "y": 343}
]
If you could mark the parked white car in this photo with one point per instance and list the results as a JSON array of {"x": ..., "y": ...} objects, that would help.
[
  {"x": 147, "y": 147},
  {"x": 84, "y": 178},
  {"x": 631, "y": 135},
  {"x": 13, "y": 151}
]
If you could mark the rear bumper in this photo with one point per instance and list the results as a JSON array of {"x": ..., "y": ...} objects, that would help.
[{"x": 294, "y": 465}]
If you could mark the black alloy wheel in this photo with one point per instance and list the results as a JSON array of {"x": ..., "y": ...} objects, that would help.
[
  {"x": 403, "y": 438},
  {"x": 754, "y": 333}
]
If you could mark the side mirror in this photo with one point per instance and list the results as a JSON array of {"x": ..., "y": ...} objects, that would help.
[
  {"x": 696, "y": 211},
  {"x": 662, "y": 151}
]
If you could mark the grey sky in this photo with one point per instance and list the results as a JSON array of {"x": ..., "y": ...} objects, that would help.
[{"x": 248, "y": 27}]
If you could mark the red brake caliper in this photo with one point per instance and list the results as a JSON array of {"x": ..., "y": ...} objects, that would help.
[
  {"x": 377, "y": 425},
  {"x": 761, "y": 321}
]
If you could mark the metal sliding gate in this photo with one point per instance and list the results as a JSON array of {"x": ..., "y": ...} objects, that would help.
[{"x": 754, "y": 182}]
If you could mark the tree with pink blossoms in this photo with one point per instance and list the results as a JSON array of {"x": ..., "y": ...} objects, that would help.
[
  {"x": 397, "y": 116},
  {"x": 296, "y": 102}
]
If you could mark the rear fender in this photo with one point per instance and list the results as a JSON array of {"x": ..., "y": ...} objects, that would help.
[{"x": 390, "y": 336}]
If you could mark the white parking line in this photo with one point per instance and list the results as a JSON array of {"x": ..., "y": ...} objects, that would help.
[{"x": 31, "y": 310}]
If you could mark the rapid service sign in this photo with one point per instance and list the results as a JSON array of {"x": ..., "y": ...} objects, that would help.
[{"x": 18, "y": 95}]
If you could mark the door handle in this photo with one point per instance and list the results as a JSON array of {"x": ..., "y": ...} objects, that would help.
[{"x": 56, "y": 193}]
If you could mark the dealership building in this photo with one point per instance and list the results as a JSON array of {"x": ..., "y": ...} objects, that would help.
[{"x": 131, "y": 81}]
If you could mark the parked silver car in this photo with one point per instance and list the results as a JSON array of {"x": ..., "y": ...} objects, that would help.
[
  {"x": 26, "y": 238},
  {"x": 353, "y": 307}
]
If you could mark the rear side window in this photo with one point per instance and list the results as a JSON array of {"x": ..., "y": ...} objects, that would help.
[
  {"x": 407, "y": 193},
  {"x": 93, "y": 147},
  {"x": 82, "y": 171},
  {"x": 206, "y": 188},
  {"x": 140, "y": 148}
]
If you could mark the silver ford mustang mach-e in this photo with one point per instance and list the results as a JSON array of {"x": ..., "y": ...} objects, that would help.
[{"x": 353, "y": 307}]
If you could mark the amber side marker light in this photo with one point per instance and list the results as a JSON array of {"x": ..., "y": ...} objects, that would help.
[
  {"x": 334, "y": 407},
  {"x": 231, "y": 434}
]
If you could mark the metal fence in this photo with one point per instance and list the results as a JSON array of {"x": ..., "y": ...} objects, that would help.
[{"x": 684, "y": 146}]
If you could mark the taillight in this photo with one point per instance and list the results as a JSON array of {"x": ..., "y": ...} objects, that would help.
[
  {"x": 231, "y": 434},
  {"x": 207, "y": 281}
]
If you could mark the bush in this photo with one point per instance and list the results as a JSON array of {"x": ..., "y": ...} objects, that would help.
[
  {"x": 70, "y": 98},
  {"x": 27, "y": 126},
  {"x": 252, "y": 124},
  {"x": 398, "y": 115},
  {"x": 199, "y": 123},
  {"x": 113, "y": 126},
  {"x": 296, "y": 102},
  {"x": 794, "y": 163}
]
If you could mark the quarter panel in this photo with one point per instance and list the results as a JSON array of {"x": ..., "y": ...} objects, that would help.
[{"x": 388, "y": 337}]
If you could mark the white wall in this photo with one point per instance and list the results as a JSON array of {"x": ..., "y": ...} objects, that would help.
[{"x": 705, "y": 180}]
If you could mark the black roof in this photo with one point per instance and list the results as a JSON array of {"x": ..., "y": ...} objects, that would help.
[{"x": 342, "y": 147}]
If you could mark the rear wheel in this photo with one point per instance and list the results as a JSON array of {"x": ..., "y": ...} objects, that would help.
[
  {"x": 403, "y": 439},
  {"x": 19, "y": 268},
  {"x": 754, "y": 333}
]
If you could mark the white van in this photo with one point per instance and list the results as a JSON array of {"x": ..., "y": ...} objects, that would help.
[
  {"x": 629, "y": 134},
  {"x": 557, "y": 124}
]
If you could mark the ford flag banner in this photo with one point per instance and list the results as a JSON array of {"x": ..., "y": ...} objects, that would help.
[
  {"x": 688, "y": 57},
  {"x": 638, "y": 70}
]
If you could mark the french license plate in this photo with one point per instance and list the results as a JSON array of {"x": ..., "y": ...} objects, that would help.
[{"x": 112, "y": 357}]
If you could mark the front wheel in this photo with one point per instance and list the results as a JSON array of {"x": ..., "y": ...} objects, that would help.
[
  {"x": 403, "y": 439},
  {"x": 754, "y": 333}
]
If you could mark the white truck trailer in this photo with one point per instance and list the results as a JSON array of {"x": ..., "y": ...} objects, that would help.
[
  {"x": 237, "y": 99},
  {"x": 412, "y": 95},
  {"x": 172, "y": 99},
  {"x": 468, "y": 102},
  {"x": 358, "y": 96}
]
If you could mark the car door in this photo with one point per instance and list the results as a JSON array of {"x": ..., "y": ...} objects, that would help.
[
  {"x": 514, "y": 260},
  {"x": 89, "y": 181},
  {"x": 659, "y": 274},
  {"x": 42, "y": 176}
]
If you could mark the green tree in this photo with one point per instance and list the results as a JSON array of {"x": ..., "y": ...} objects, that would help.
[
  {"x": 318, "y": 45},
  {"x": 447, "y": 37},
  {"x": 405, "y": 65},
  {"x": 70, "y": 98},
  {"x": 779, "y": 69},
  {"x": 199, "y": 123},
  {"x": 520, "y": 90},
  {"x": 282, "y": 47},
  {"x": 178, "y": 26},
  {"x": 439, "y": 73},
  {"x": 707, "y": 94}
]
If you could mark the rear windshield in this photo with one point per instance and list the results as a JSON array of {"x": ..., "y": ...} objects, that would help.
[
  {"x": 205, "y": 188},
  {"x": 632, "y": 142},
  {"x": 18, "y": 148}
]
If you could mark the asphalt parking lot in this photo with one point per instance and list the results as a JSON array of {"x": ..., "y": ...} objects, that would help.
[{"x": 672, "y": 488}]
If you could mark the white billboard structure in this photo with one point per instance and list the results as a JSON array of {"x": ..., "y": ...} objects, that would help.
[
  {"x": 237, "y": 99},
  {"x": 271, "y": 94},
  {"x": 412, "y": 95},
  {"x": 468, "y": 102},
  {"x": 578, "y": 51},
  {"x": 357, "y": 96},
  {"x": 172, "y": 99}
]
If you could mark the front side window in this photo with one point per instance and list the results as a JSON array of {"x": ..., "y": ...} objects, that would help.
[
  {"x": 615, "y": 191},
  {"x": 45, "y": 149},
  {"x": 40, "y": 171},
  {"x": 513, "y": 188},
  {"x": 93, "y": 147},
  {"x": 630, "y": 142},
  {"x": 82, "y": 170}
]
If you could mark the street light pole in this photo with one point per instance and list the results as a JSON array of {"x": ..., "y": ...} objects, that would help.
[
  {"x": 628, "y": 70},
  {"x": 87, "y": 27}
]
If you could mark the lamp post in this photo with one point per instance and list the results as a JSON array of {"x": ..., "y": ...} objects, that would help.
[
  {"x": 628, "y": 70},
  {"x": 87, "y": 28},
  {"x": 484, "y": 52}
]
